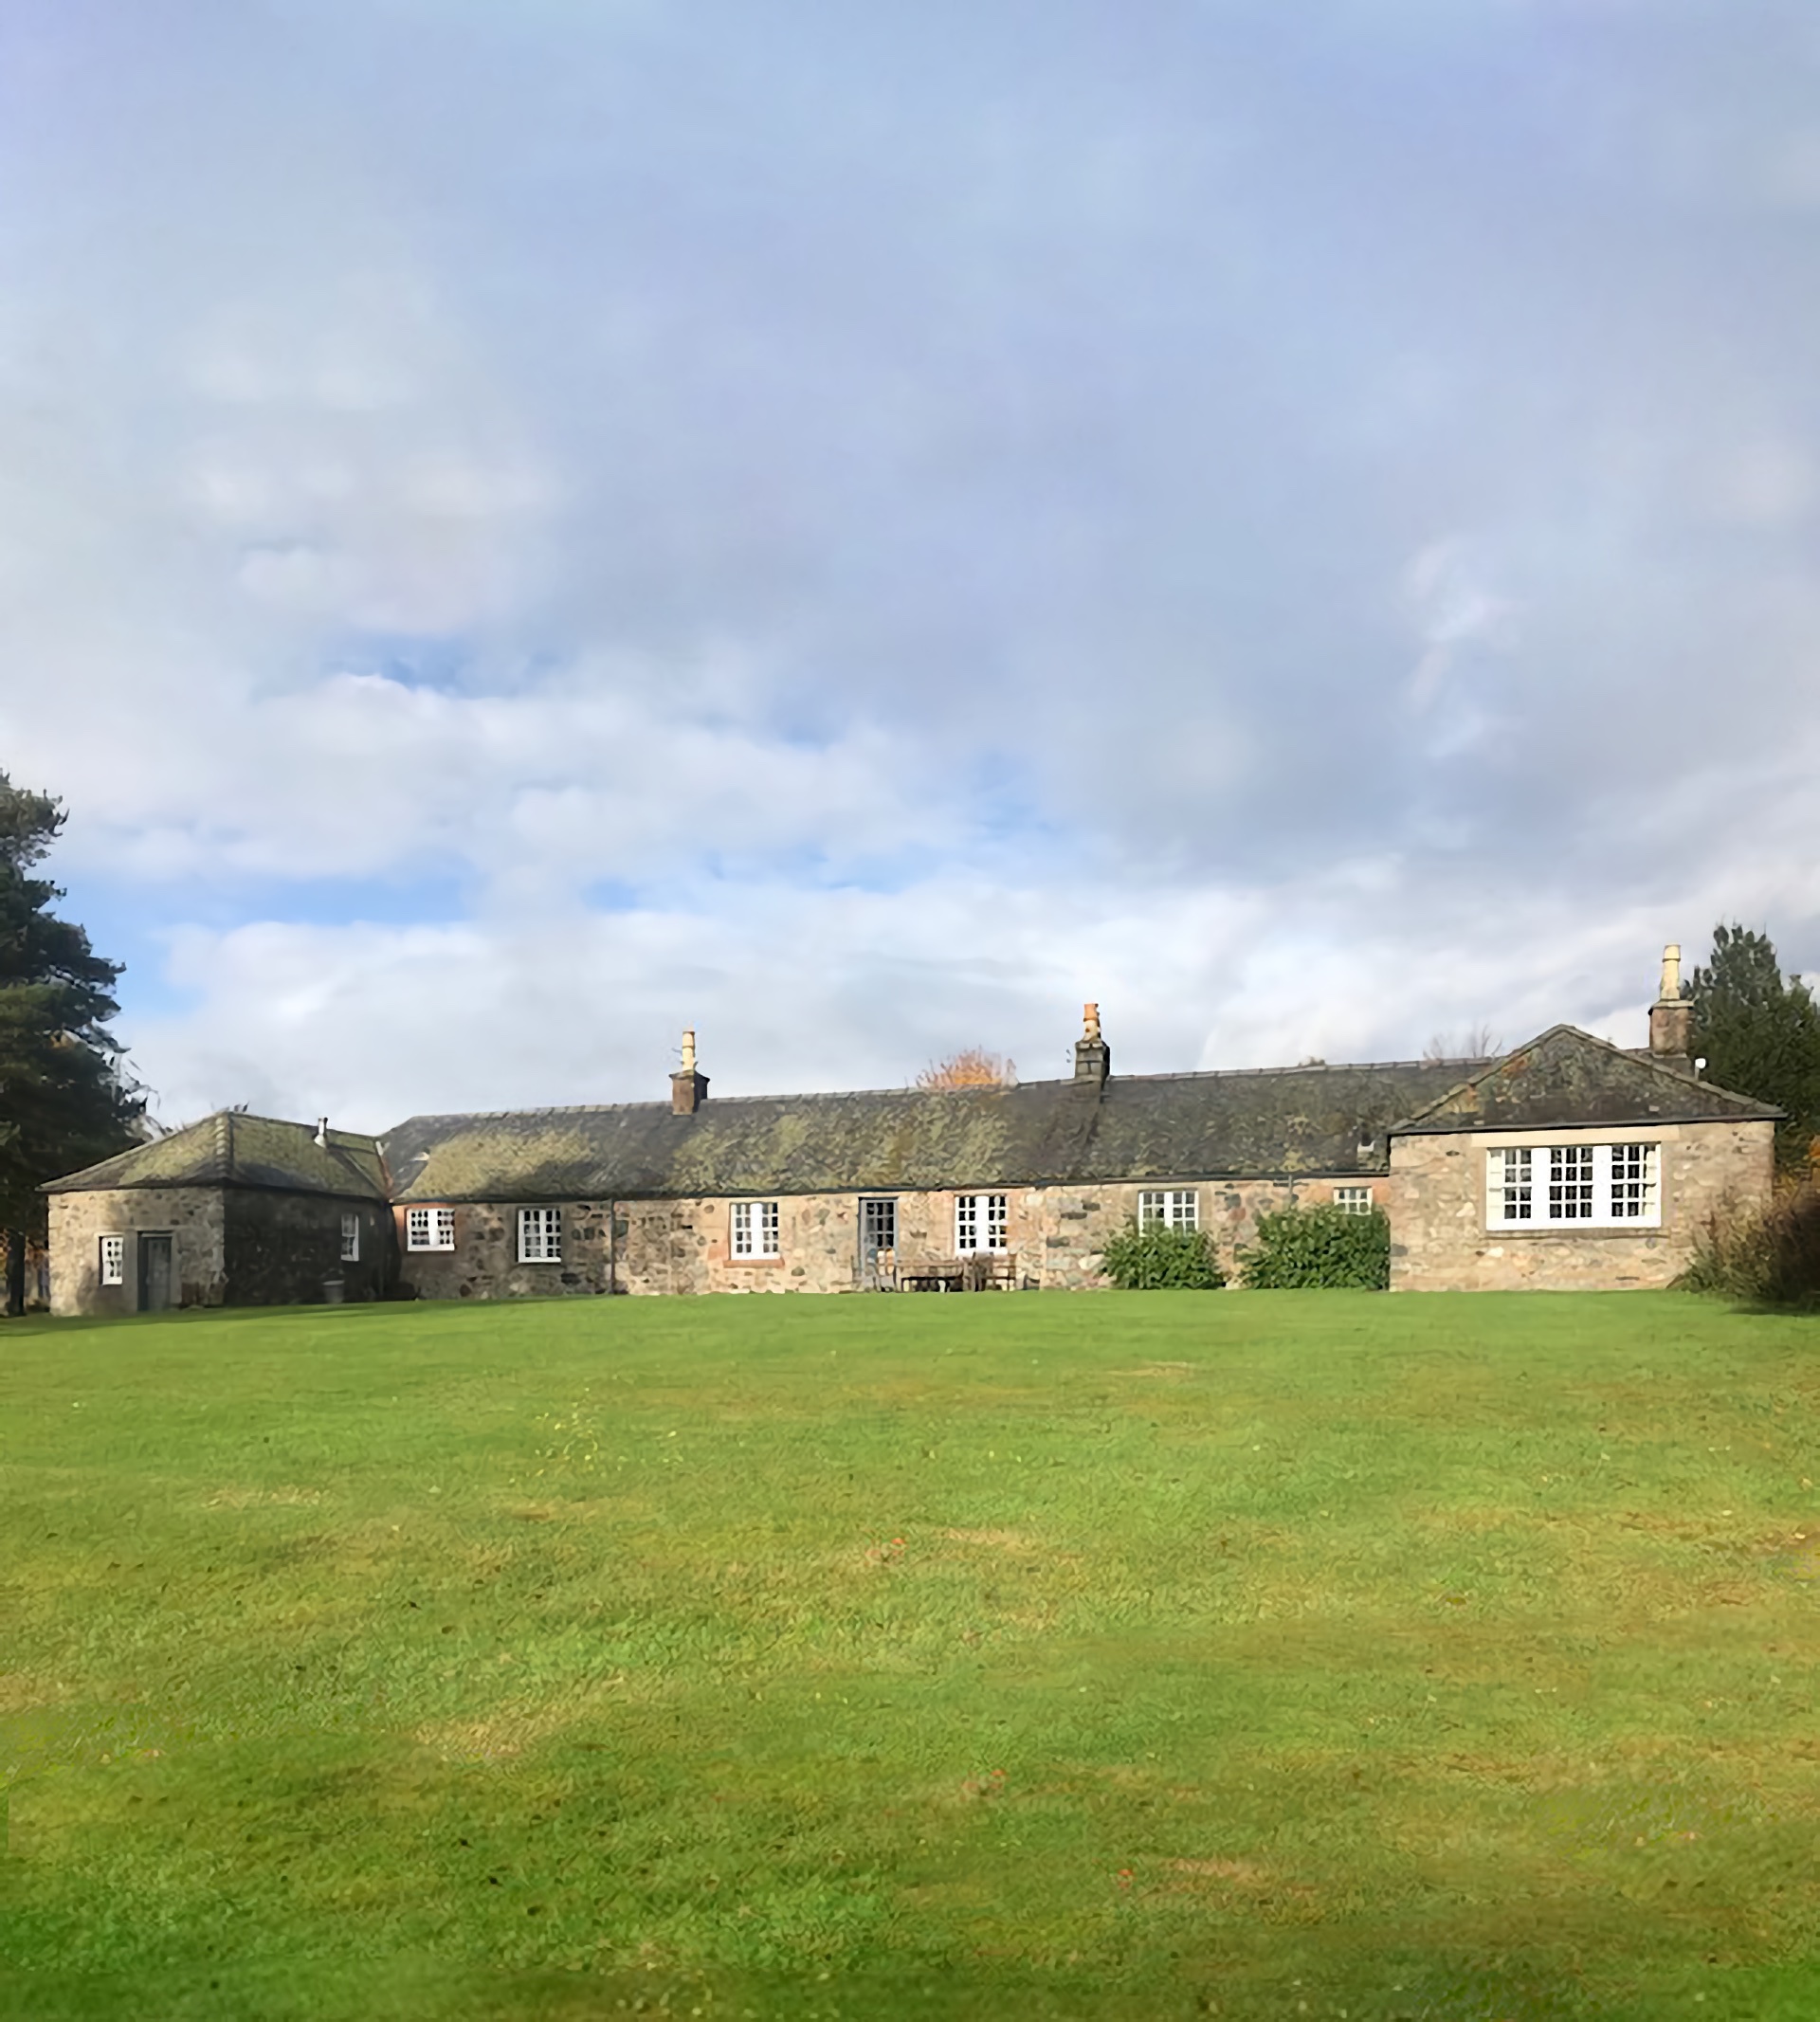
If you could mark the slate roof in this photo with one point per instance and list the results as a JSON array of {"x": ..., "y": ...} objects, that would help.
[
  {"x": 1254, "y": 1123},
  {"x": 1565, "y": 1078},
  {"x": 237, "y": 1150},
  {"x": 1247, "y": 1124}
]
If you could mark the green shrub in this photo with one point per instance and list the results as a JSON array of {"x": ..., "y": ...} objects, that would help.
[
  {"x": 1161, "y": 1259},
  {"x": 1319, "y": 1249},
  {"x": 1771, "y": 1258}
]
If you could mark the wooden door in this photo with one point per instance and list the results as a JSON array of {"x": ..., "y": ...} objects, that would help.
[{"x": 155, "y": 1275}]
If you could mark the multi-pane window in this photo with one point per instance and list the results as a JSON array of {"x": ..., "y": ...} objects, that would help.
[
  {"x": 1633, "y": 1183},
  {"x": 1599, "y": 1186},
  {"x": 878, "y": 1226},
  {"x": 1511, "y": 1185},
  {"x": 429, "y": 1228},
  {"x": 539, "y": 1235},
  {"x": 1353, "y": 1200},
  {"x": 113, "y": 1259},
  {"x": 1171, "y": 1207},
  {"x": 979, "y": 1222},
  {"x": 350, "y": 1239},
  {"x": 1569, "y": 1183},
  {"x": 755, "y": 1228}
]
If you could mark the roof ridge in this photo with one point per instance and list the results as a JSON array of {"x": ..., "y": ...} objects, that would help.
[{"x": 847, "y": 1095}]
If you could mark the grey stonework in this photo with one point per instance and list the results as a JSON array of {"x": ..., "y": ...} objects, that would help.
[
  {"x": 1442, "y": 1241},
  {"x": 1055, "y": 1236},
  {"x": 230, "y": 1246},
  {"x": 194, "y": 1217}
]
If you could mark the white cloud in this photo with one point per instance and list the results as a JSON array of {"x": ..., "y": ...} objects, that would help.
[
  {"x": 932, "y": 562},
  {"x": 1453, "y": 609},
  {"x": 803, "y": 990}
]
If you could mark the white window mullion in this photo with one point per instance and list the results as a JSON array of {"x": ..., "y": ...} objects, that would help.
[
  {"x": 1574, "y": 1185},
  {"x": 755, "y": 1228},
  {"x": 539, "y": 1235}
]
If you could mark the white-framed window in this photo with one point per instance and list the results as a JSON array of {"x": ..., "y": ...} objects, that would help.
[
  {"x": 1353, "y": 1200},
  {"x": 113, "y": 1259},
  {"x": 1171, "y": 1207},
  {"x": 429, "y": 1228},
  {"x": 755, "y": 1228},
  {"x": 1589, "y": 1186},
  {"x": 350, "y": 1239},
  {"x": 980, "y": 1222},
  {"x": 539, "y": 1235}
]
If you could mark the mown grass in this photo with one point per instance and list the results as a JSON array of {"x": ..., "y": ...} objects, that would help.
[{"x": 1252, "y": 1655}]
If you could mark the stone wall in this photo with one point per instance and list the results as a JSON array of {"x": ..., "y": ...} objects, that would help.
[
  {"x": 230, "y": 1246},
  {"x": 1440, "y": 1240},
  {"x": 484, "y": 1261},
  {"x": 193, "y": 1218},
  {"x": 282, "y": 1248},
  {"x": 1055, "y": 1235},
  {"x": 1066, "y": 1227}
]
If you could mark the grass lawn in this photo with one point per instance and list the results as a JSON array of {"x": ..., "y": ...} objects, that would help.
[{"x": 1040, "y": 1656}]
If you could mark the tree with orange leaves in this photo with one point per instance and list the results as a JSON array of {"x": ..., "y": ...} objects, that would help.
[{"x": 974, "y": 1068}]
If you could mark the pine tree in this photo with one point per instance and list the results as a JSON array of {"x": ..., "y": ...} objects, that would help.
[
  {"x": 63, "y": 1101},
  {"x": 1759, "y": 1034}
]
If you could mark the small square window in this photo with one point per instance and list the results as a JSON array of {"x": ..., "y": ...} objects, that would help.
[
  {"x": 1170, "y": 1208},
  {"x": 113, "y": 1259},
  {"x": 755, "y": 1228},
  {"x": 539, "y": 1235},
  {"x": 429, "y": 1228},
  {"x": 1353, "y": 1200},
  {"x": 350, "y": 1239},
  {"x": 980, "y": 1222}
]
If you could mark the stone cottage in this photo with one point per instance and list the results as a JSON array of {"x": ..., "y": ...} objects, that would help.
[
  {"x": 1570, "y": 1163},
  {"x": 236, "y": 1211}
]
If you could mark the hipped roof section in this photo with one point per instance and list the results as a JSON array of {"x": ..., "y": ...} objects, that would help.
[
  {"x": 236, "y": 1150},
  {"x": 1248, "y": 1125},
  {"x": 1566, "y": 1079}
]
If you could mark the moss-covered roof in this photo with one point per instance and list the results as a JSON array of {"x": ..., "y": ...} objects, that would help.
[
  {"x": 237, "y": 1150},
  {"x": 1567, "y": 1078},
  {"x": 1163, "y": 1126},
  {"x": 1254, "y": 1123}
]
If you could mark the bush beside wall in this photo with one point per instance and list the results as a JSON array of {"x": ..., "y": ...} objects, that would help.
[
  {"x": 1771, "y": 1258},
  {"x": 1301, "y": 1249},
  {"x": 1161, "y": 1259}
]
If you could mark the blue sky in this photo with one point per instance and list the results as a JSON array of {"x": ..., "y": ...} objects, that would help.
[{"x": 522, "y": 529}]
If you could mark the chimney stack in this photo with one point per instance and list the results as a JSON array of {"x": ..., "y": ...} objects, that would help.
[
  {"x": 1092, "y": 1056},
  {"x": 688, "y": 1084},
  {"x": 1671, "y": 1017}
]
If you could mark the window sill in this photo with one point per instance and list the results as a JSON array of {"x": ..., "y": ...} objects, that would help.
[{"x": 1528, "y": 1231}]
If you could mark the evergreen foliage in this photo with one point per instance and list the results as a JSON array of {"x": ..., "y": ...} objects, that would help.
[
  {"x": 1326, "y": 1248},
  {"x": 63, "y": 1102},
  {"x": 1161, "y": 1259},
  {"x": 1759, "y": 1034}
]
